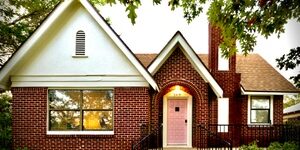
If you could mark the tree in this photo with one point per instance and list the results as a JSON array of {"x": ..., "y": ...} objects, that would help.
[
  {"x": 18, "y": 19},
  {"x": 5, "y": 121},
  {"x": 291, "y": 100},
  {"x": 239, "y": 20},
  {"x": 291, "y": 61}
]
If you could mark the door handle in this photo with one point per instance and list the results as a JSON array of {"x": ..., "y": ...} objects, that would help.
[{"x": 185, "y": 120}]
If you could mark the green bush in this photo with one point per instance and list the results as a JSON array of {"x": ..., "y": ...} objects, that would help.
[
  {"x": 5, "y": 121},
  {"x": 251, "y": 146},
  {"x": 273, "y": 146},
  {"x": 284, "y": 146}
]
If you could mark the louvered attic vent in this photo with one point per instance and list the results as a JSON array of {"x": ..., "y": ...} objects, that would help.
[{"x": 80, "y": 43}]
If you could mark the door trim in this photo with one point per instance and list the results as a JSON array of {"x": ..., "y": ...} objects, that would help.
[{"x": 188, "y": 97}]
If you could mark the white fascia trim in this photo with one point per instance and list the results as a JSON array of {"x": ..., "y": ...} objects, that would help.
[
  {"x": 78, "y": 78},
  {"x": 163, "y": 56},
  {"x": 266, "y": 93},
  {"x": 119, "y": 43},
  {"x": 190, "y": 54},
  {"x": 80, "y": 133},
  {"x": 80, "y": 84},
  {"x": 26, "y": 47}
]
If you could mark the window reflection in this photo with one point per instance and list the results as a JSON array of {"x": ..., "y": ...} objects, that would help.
[
  {"x": 97, "y": 99},
  {"x": 97, "y": 120},
  {"x": 80, "y": 109},
  {"x": 260, "y": 116},
  {"x": 64, "y": 99},
  {"x": 260, "y": 109},
  {"x": 65, "y": 120}
]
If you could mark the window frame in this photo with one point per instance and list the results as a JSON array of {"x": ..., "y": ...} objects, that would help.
[
  {"x": 270, "y": 114},
  {"x": 80, "y": 131}
]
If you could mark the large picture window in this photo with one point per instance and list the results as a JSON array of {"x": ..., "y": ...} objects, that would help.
[
  {"x": 80, "y": 110},
  {"x": 260, "y": 109}
]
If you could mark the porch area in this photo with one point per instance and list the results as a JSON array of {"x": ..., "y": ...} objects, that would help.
[{"x": 214, "y": 136}]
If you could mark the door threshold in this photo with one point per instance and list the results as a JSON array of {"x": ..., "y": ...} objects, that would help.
[{"x": 177, "y": 146}]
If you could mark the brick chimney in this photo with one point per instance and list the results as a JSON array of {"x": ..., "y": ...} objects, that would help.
[{"x": 214, "y": 40}]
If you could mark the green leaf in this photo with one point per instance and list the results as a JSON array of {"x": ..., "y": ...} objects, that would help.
[
  {"x": 156, "y": 2},
  {"x": 131, "y": 12}
]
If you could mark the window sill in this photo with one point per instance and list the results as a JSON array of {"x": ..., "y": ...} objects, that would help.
[
  {"x": 80, "y": 56},
  {"x": 255, "y": 125},
  {"x": 80, "y": 132}
]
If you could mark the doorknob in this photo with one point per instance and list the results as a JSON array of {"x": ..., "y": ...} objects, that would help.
[{"x": 185, "y": 121}]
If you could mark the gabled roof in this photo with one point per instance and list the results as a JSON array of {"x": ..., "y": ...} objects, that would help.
[
  {"x": 63, "y": 6},
  {"x": 179, "y": 41},
  {"x": 292, "y": 109},
  {"x": 257, "y": 76}
]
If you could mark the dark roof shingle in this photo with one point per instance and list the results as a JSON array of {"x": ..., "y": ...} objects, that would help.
[{"x": 256, "y": 74}]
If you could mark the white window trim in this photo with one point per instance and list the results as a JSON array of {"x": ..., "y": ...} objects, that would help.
[
  {"x": 48, "y": 132},
  {"x": 271, "y": 111},
  {"x": 80, "y": 132}
]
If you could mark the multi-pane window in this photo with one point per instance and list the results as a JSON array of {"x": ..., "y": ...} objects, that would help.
[
  {"x": 260, "y": 109},
  {"x": 80, "y": 110}
]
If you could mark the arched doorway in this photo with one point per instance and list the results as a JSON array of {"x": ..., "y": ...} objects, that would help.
[{"x": 177, "y": 118}]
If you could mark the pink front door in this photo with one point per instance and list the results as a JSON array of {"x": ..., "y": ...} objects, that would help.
[{"x": 177, "y": 122}]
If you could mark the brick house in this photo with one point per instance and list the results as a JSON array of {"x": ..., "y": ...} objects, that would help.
[{"x": 77, "y": 85}]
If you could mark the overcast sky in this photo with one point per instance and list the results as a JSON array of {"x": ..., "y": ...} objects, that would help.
[{"x": 156, "y": 25}]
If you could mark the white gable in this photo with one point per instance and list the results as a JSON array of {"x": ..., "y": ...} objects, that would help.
[
  {"x": 179, "y": 40},
  {"x": 49, "y": 60}
]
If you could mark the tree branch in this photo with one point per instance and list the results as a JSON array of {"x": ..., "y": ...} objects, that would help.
[{"x": 23, "y": 17}]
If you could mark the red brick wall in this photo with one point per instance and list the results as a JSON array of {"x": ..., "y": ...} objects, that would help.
[
  {"x": 228, "y": 80},
  {"x": 263, "y": 135},
  {"x": 131, "y": 107},
  {"x": 230, "y": 83},
  {"x": 177, "y": 70},
  {"x": 278, "y": 109}
]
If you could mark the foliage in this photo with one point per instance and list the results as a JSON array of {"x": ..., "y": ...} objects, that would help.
[
  {"x": 239, "y": 20},
  {"x": 131, "y": 6},
  {"x": 5, "y": 121},
  {"x": 284, "y": 146},
  {"x": 251, "y": 146},
  {"x": 291, "y": 61},
  {"x": 18, "y": 20},
  {"x": 273, "y": 146},
  {"x": 291, "y": 100}
]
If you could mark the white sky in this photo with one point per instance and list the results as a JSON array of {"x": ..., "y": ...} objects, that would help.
[{"x": 156, "y": 25}]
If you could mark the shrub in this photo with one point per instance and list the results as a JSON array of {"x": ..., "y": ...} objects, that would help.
[
  {"x": 5, "y": 121},
  {"x": 251, "y": 146},
  {"x": 284, "y": 146}
]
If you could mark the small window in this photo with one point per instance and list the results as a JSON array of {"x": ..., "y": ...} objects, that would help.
[
  {"x": 260, "y": 109},
  {"x": 223, "y": 63},
  {"x": 80, "y": 110},
  {"x": 80, "y": 43}
]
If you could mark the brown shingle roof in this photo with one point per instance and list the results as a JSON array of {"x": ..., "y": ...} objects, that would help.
[{"x": 256, "y": 74}]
